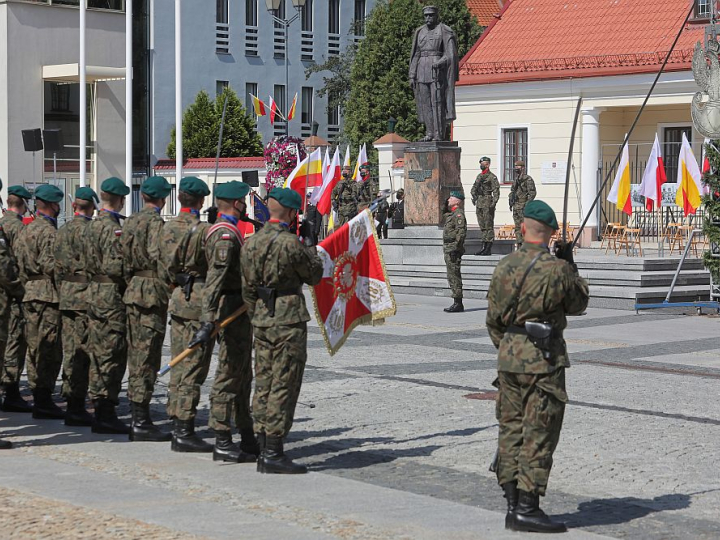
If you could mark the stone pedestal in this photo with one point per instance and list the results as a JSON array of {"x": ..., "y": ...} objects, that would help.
[{"x": 432, "y": 170}]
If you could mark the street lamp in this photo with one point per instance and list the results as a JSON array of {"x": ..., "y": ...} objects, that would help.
[{"x": 273, "y": 6}]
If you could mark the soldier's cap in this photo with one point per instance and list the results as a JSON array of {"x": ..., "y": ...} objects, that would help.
[
  {"x": 114, "y": 186},
  {"x": 86, "y": 194},
  {"x": 430, "y": 9},
  {"x": 458, "y": 194},
  {"x": 192, "y": 185},
  {"x": 18, "y": 191},
  {"x": 287, "y": 197},
  {"x": 401, "y": 190},
  {"x": 541, "y": 211},
  {"x": 485, "y": 158},
  {"x": 233, "y": 190},
  {"x": 519, "y": 163},
  {"x": 365, "y": 166},
  {"x": 156, "y": 187},
  {"x": 49, "y": 193}
]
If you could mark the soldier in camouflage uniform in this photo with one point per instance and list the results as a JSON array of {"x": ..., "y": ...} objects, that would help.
[
  {"x": 366, "y": 189},
  {"x": 41, "y": 301},
  {"x": 221, "y": 298},
  {"x": 185, "y": 268},
  {"x": 16, "y": 348},
  {"x": 72, "y": 286},
  {"x": 521, "y": 193},
  {"x": 146, "y": 300},
  {"x": 275, "y": 265},
  {"x": 344, "y": 200},
  {"x": 107, "y": 325},
  {"x": 485, "y": 195},
  {"x": 530, "y": 285},
  {"x": 454, "y": 233}
]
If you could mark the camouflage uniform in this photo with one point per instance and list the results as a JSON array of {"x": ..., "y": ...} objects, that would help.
[
  {"x": 146, "y": 300},
  {"x": 522, "y": 192},
  {"x": 366, "y": 191},
  {"x": 485, "y": 195},
  {"x": 72, "y": 286},
  {"x": 454, "y": 233},
  {"x": 273, "y": 257},
  {"x": 41, "y": 303},
  {"x": 344, "y": 200},
  {"x": 16, "y": 347},
  {"x": 531, "y": 399},
  {"x": 106, "y": 311},
  {"x": 11, "y": 288}
]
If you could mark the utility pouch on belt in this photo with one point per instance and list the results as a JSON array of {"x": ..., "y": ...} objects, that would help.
[
  {"x": 186, "y": 282},
  {"x": 268, "y": 295},
  {"x": 540, "y": 334}
]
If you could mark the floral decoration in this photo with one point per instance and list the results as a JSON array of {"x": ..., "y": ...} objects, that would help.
[{"x": 281, "y": 157}]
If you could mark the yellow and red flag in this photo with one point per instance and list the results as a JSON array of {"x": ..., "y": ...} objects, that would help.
[
  {"x": 689, "y": 180},
  {"x": 362, "y": 160},
  {"x": 273, "y": 110},
  {"x": 308, "y": 173},
  {"x": 258, "y": 105},
  {"x": 291, "y": 112},
  {"x": 620, "y": 192}
]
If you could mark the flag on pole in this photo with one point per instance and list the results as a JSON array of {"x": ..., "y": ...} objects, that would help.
[
  {"x": 308, "y": 173},
  {"x": 620, "y": 192},
  {"x": 258, "y": 105},
  {"x": 653, "y": 178},
  {"x": 322, "y": 198},
  {"x": 291, "y": 112},
  {"x": 326, "y": 161},
  {"x": 273, "y": 110},
  {"x": 689, "y": 180},
  {"x": 346, "y": 163},
  {"x": 362, "y": 160},
  {"x": 260, "y": 209},
  {"x": 706, "y": 168},
  {"x": 355, "y": 288}
]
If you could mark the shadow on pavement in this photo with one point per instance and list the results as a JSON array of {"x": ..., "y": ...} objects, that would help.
[
  {"x": 622, "y": 509},
  {"x": 359, "y": 459}
]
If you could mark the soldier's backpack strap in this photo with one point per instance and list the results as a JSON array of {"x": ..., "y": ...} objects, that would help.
[
  {"x": 516, "y": 298},
  {"x": 230, "y": 230}
]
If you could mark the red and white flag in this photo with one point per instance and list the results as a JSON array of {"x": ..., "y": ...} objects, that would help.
[
  {"x": 653, "y": 178},
  {"x": 355, "y": 288},
  {"x": 322, "y": 198},
  {"x": 273, "y": 110}
]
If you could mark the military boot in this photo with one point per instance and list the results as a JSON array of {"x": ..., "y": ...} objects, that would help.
[
  {"x": 457, "y": 306},
  {"x": 248, "y": 443},
  {"x": 142, "y": 428},
  {"x": 106, "y": 420},
  {"x": 274, "y": 461},
  {"x": 530, "y": 518},
  {"x": 13, "y": 401},
  {"x": 511, "y": 495},
  {"x": 488, "y": 249},
  {"x": 483, "y": 245},
  {"x": 76, "y": 414},
  {"x": 5, "y": 445},
  {"x": 225, "y": 450},
  {"x": 44, "y": 407},
  {"x": 185, "y": 440}
]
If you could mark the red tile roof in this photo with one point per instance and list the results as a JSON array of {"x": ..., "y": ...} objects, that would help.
[
  {"x": 209, "y": 163},
  {"x": 552, "y": 39},
  {"x": 485, "y": 10}
]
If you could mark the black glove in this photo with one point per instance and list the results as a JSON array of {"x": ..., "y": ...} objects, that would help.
[
  {"x": 564, "y": 251},
  {"x": 306, "y": 229},
  {"x": 203, "y": 335}
]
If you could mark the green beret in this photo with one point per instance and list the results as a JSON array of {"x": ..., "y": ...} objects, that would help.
[
  {"x": 49, "y": 193},
  {"x": 541, "y": 211},
  {"x": 485, "y": 158},
  {"x": 192, "y": 185},
  {"x": 114, "y": 186},
  {"x": 19, "y": 191},
  {"x": 86, "y": 194},
  {"x": 287, "y": 197},
  {"x": 233, "y": 190},
  {"x": 365, "y": 166},
  {"x": 458, "y": 195},
  {"x": 156, "y": 187}
]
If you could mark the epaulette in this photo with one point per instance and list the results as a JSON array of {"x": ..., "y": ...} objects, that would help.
[{"x": 229, "y": 232}]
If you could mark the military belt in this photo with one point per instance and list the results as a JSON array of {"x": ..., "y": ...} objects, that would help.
[
  {"x": 76, "y": 279},
  {"x": 230, "y": 292},
  {"x": 145, "y": 273},
  {"x": 106, "y": 279},
  {"x": 430, "y": 53},
  {"x": 38, "y": 277},
  {"x": 287, "y": 292},
  {"x": 513, "y": 329}
]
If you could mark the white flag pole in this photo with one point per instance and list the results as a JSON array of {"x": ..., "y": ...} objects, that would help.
[
  {"x": 178, "y": 96},
  {"x": 128, "y": 99},
  {"x": 83, "y": 97}
]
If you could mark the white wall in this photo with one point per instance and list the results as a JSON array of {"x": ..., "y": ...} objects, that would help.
[{"x": 110, "y": 130}]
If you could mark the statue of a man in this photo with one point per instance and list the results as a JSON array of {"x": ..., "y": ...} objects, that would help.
[{"x": 433, "y": 74}]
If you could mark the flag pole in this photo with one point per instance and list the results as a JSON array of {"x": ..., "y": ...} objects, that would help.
[
  {"x": 83, "y": 97},
  {"x": 178, "y": 95},
  {"x": 128, "y": 98}
]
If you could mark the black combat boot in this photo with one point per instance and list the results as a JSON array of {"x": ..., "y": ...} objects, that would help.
[
  {"x": 106, "y": 420},
  {"x": 248, "y": 443},
  {"x": 76, "y": 414},
  {"x": 457, "y": 306},
  {"x": 13, "y": 401},
  {"x": 44, "y": 407},
  {"x": 511, "y": 495},
  {"x": 185, "y": 440},
  {"x": 142, "y": 428},
  {"x": 274, "y": 461},
  {"x": 529, "y": 517},
  {"x": 483, "y": 246},
  {"x": 488, "y": 249},
  {"x": 225, "y": 450},
  {"x": 5, "y": 445}
]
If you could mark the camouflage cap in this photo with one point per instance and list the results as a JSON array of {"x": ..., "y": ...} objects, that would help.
[
  {"x": 232, "y": 190},
  {"x": 19, "y": 191},
  {"x": 541, "y": 211},
  {"x": 287, "y": 197},
  {"x": 192, "y": 185},
  {"x": 114, "y": 186},
  {"x": 86, "y": 194},
  {"x": 458, "y": 194},
  {"x": 49, "y": 193},
  {"x": 156, "y": 187}
]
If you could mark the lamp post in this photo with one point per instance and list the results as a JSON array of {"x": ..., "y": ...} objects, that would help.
[{"x": 273, "y": 6}]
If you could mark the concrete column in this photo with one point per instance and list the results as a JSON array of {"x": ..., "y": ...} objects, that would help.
[
  {"x": 390, "y": 147},
  {"x": 590, "y": 166}
]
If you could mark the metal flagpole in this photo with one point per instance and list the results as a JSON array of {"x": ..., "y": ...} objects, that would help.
[
  {"x": 83, "y": 97},
  {"x": 128, "y": 99},
  {"x": 178, "y": 96}
]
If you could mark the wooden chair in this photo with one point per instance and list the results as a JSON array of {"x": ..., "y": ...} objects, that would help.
[
  {"x": 615, "y": 235},
  {"x": 631, "y": 241},
  {"x": 669, "y": 233},
  {"x": 680, "y": 238},
  {"x": 607, "y": 233}
]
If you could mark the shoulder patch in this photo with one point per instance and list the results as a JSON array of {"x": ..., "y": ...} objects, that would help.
[
  {"x": 118, "y": 232},
  {"x": 226, "y": 236}
]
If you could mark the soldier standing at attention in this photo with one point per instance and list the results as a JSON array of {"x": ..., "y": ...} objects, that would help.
[
  {"x": 36, "y": 255},
  {"x": 186, "y": 268},
  {"x": 521, "y": 193},
  {"x": 146, "y": 300},
  {"x": 367, "y": 188},
  {"x": 344, "y": 199},
  {"x": 454, "y": 234},
  {"x": 221, "y": 297},
  {"x": 485, "y": 195},
  {"x": 16, "y": 348},
  {"x": 275, "y": 265},
  {"x": 107, "y": 325},
  {"x": 72, "y": 285},
  {"x": 530, "y": 294}
]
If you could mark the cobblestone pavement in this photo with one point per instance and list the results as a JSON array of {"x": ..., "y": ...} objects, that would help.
[{"x": 408, "y": 406}]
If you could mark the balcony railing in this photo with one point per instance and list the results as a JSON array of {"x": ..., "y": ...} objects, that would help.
[
  {"x": 222, "y": 38},
  {"x": 307, "y": 46}
]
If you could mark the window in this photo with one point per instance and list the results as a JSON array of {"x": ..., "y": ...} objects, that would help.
[
  {"x": 222, "y": 12},
  {"x": 702, "y": 9},
  {"x": 114, "y": 5},
  {"x": 251, "y": 13},
  {"x": 250, "y": 88},
  {"x": 60, "y": 97},
  {"x": 279, "y": 97},
  {"x": 220, "y": 87},
  {"x": 280, "y": 13},
  {"x": 359, "y": 22},
  {"x": 307, "y": 105},
  {"x": 306, "y": 16},
  {"x": 333, "y": 112},
  {"x": 515, "y": 146},
  {"x": 333, "y": 16},
  {"x": 672, "y": 139}
]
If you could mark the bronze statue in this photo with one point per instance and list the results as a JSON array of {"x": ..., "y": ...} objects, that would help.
[{"x": 433, "y": 74}]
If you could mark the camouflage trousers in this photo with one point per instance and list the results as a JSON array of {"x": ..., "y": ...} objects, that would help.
[
  {"x": 4, "y": 317},
  {"x": 108, "y": 351},
  {"x": 280, "y": 356},
  {"x": 145, "y": 337},
  {"x": 76, "y": 362},
  {"x": 454, "y": 276},
  {"x": 530, "y": 411},
  {"x": 15, "y": 348},
  {"x": 518, "y": 217},
  {"x": 44, "y": 348},
  {"x": 486, "y": 221},
  {"x": 344, "y": 216}
]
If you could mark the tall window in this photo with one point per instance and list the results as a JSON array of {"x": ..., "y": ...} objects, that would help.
[
  {"x": 515, "y": 146},
  {"x": 60, "y": 97},
  {"x": 251, "y": 13},
  {"x": 220, "y": 87},
  {"x": 672, "y": 138},
  {"x": 333, "y": 16},
  {"x": 279, "y": 97},
  {"x": 250, "y": 88},
  {"x": 333, "y": 113},
  {"x": 307, "y": 105},
  {"x": 702, "y": 8},
  {"x": 280, "y": 13},
  {"x": 359, "y": 22},
  {"x": 222, "y": 12},
  {"x": 306, "y": 16}
]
